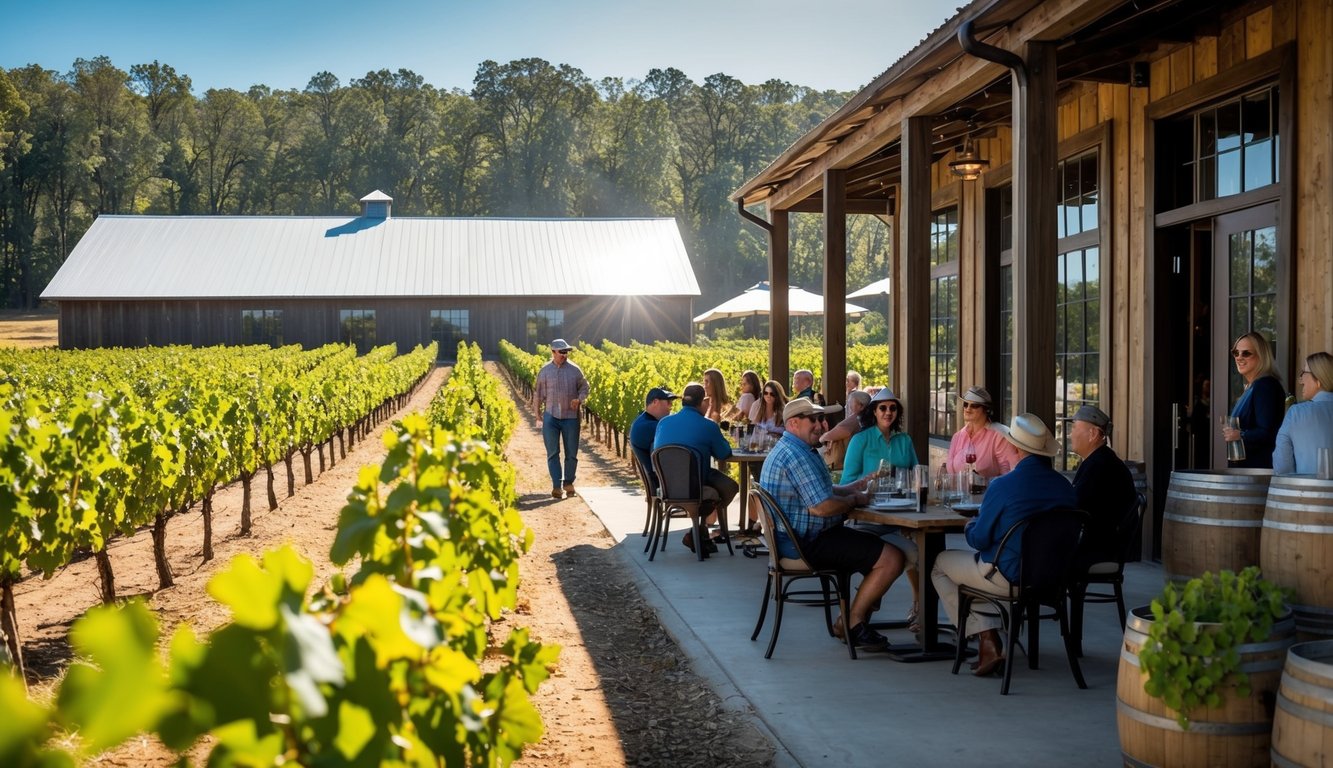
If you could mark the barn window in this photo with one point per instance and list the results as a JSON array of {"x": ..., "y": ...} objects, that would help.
[
  {"x": 448, "y": 327},
  {"x": 357, "y": 326},
  {"x": 544, "y": 325},
  {"x": 261, "y": 326},
  {"x": 944, "y": 312}
]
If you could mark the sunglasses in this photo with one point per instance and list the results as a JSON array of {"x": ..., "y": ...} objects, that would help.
[
  {"x": 1242, "y": 353},
  {"x": 1305, "y": 373},
  {"x": 969, "y": 406},
  {"x": 770, "y": 393},
  {"x": 886, "y": 408},
  {"x": 561, "y": 351}
]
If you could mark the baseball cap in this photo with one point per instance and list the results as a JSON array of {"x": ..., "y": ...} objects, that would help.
[
  {"x": 659, "y": 393},
  {"x": 1094, "y": 416}
]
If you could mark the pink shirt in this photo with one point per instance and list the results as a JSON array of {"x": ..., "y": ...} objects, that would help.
[{"x": 995, "y": 454}]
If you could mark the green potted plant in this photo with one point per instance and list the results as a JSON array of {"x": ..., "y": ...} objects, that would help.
[{"x": 1209, "y": 651}]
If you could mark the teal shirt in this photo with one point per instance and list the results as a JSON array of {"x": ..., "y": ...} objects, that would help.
[{"x": 868, "y": 446}]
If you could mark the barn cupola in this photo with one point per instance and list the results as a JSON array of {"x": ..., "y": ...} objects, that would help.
[{"x": 376, "y": 205}]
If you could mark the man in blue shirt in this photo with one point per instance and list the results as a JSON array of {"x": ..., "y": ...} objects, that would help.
[
  {"x": 799, "y": 482},
  {"x": 1031, "y": 487},
  {"x": 690, "y": 428},
  {"x": 557, "y": 395},
  {"x": 656, "y": 406}
]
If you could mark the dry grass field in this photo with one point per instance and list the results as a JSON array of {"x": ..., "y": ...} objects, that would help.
[{"x": 28, "y": 330}]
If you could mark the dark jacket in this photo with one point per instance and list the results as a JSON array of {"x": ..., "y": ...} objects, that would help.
[
  {"x": 1106, "y": 492},
  {"x": 1260, "y": 410}
]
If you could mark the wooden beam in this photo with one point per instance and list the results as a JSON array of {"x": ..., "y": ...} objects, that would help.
[
  {"x": 874, "y": 206},
  {"x": 910, "y": 354},
  {"x": 779, "y": 324},
  {"x": 952, "y": 83},
  {"x": 835, "y": 284},
  {"x": 1035, "y": 139}
]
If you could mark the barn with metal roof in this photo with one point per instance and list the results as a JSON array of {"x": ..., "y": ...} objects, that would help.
[{"x": 373, "y": 279}]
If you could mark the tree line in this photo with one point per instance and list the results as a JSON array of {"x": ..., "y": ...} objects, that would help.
[{"x": 531, "y": 138}]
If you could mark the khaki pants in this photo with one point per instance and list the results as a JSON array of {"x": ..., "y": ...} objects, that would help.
[{"x": 957, "y": 566}]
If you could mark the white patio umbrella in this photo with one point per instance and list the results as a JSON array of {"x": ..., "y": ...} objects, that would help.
[
  {"x": 877, "y": 288},
  {"x": 755, "y": 301}
]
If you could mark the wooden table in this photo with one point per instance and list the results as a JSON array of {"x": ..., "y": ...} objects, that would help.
[
  {"x": 932, "y": 525},
  {"x": 744, "y": 459}
]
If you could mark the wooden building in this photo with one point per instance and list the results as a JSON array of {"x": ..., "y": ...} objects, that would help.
[
  {"x": 1091, "y": 199},
  {"x": 373, "y": 279}
]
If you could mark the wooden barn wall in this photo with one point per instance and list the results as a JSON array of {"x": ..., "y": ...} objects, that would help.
[
  {"x": 1121, "y": 114},
  {"x": 312, "y": 322}
]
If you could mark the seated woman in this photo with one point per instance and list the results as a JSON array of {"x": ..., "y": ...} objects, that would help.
[
  {"x": 1308, "y": 425},
  {"x": 886, "y": 440},
  {"x": 766, "y": 413},
  {"x": 980, "y": 443},
  {"x": 750, "y": 389},
  {"x": 883, "y": 438},
  {"x": 719, "y": 405}
]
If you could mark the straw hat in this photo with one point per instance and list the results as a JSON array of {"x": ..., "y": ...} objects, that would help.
[
  {"x": 1028, "y": 433},
  {"x": 802, "y": 406}
]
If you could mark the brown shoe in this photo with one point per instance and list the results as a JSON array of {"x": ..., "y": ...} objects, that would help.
[
  {"x": 569, "y": 490},
  {"x": 556, "y": 493},
  {"x": 990, "y": 658}
]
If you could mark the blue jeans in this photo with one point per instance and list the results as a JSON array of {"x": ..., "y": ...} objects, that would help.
[{"x": 554, "y": 432}]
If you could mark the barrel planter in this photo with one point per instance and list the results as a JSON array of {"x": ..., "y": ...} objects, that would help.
[
  {"x": 1296, "y": 551},
  {"x": 1303, "y": 722},
  {"x": 1235, "y": 735},
  {"x": 1213, "y": 521}
]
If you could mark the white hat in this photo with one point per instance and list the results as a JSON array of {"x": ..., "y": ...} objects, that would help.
[
  {"x": 1029, "y": 433},
  {"x": 803, "y": 406}
]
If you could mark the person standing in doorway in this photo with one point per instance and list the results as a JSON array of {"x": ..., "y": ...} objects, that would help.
[
  {"x": 560, "y": 391},
  {"x": 1261, "y": 406}
]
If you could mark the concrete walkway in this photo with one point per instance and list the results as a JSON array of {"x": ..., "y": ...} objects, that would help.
[{"x": 823, "y": 709}]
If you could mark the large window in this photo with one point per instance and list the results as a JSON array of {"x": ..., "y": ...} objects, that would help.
[
  {"x": 448, "y": 327},
  {"x": 1078, "y": 304},
  {"x": 261, "y": 326},
  {"x": 544, "y": 325},
  {"x": 357, "y": 326},
  {"x": 1222, "y": 150},
  {"x": 944, "y": 318},
  {"x": 1078, "y": 312}
]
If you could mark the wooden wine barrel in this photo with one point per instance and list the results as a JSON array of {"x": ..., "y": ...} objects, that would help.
[
  {"x": 1213, "y": 521},
  {"x": 1296, "y": 550},
  {"x": 1234, "y": 735},
  {"x": 1303, "y": 722}
]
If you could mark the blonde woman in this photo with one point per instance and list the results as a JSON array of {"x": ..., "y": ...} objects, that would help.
[
  {"x": 718, "y": 402},
  {"x": 1308, "y": 425},
  {"x": 1259, "y": 409},
  {"x": 767, "y": 410}
]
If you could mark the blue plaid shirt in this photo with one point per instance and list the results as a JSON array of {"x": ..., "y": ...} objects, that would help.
[{"x": 798, "y": 480}]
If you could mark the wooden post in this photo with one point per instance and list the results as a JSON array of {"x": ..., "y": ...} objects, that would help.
[
  {"x": 779, "y": 324},
  {"x": 911, "y": 285},
  {"x": 835, "y": 284}
]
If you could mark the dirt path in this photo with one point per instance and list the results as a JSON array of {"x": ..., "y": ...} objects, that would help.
[{"x": 621, "y": 695}]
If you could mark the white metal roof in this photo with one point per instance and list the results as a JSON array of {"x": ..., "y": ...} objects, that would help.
[{"x": 216, "y": 257}]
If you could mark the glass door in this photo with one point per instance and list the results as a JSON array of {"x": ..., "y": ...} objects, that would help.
[{"x": 1244, "y": 299}]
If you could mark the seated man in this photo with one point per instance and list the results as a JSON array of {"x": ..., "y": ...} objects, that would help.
[
  {"x": 656, "y": 406},
  {"x": 798, "y": 480},
  {"x": 803, "y": 384},
  {"x": 1104, "y": 486},
  {"x": 692, "y": 429},
  {"x": 1031, "y": 487}
]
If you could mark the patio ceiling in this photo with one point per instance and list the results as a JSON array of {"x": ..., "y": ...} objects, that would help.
[{"x": 1099, "y": 40}]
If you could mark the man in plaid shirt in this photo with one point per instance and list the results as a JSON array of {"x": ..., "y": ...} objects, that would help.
[
  {"x": 798, "y": 480},
  {"x": 560, "y": 390}
]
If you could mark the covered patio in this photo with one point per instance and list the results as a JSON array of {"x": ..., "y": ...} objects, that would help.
[{"x": 1090, "y": 199}]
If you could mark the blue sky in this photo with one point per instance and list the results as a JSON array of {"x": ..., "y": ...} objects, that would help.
[{"x": 282, "y": 43}]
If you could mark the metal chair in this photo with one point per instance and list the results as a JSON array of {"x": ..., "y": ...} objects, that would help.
[
  {"x": 649, "y": 494},
  {"x": 783, "y": 572},
  {"x": 1110, "y": 573},
  {"x": 1046, "y": 544},
  {"x": 680, "y": 495}
]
